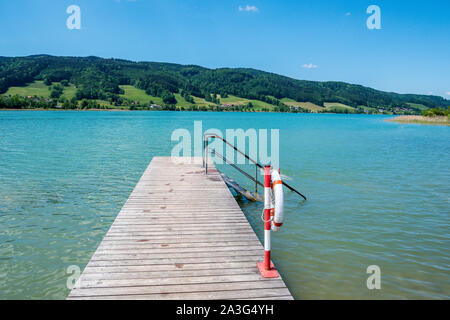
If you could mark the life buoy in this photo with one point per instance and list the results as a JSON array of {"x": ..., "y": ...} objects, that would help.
[{"x": 278, "y": 202}]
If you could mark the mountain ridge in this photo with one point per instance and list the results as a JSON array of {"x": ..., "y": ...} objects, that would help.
[{"x": 102, "y": 79}]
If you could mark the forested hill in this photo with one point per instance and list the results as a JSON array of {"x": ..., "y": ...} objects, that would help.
[{"x": 94, "y": 78}]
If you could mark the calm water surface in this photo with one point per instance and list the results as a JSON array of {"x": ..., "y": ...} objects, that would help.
[{"x": 378, "y": 195}]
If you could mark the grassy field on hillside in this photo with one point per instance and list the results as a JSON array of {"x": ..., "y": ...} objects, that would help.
[
  {"x": 369, "y": 109},
  {"x": 337, "y": 106},
  {"x": 305, "y": 105},
  {"x": 199, "y": 102},
  {"x": 38, "y": 88},
  {"x": 131, "y": 93},
  {"x": 202, "y": 102},
  {"x": 417, "y": 106},
  {"x": 139, "y": 95},
  {"x": 258, "y": 105}
]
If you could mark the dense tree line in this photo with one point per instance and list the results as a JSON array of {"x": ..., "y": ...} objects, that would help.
[
  {"x": 97, "y": 78},
  {"x": 16, "y": 102},
  {"x": 435, "y": 112}
]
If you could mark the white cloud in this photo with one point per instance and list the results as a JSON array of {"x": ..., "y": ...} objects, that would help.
[
  {"x": 348, "y": 14},
  {"x": 309, "y": 66},
  {"x": 448, "y": 93},
  {"x": 248, "y": 8}
]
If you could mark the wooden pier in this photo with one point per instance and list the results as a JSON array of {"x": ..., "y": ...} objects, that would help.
[{"x": 180, "y": 235}]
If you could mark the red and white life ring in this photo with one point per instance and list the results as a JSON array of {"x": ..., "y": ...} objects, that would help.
[{"x": 278, "y": 202}]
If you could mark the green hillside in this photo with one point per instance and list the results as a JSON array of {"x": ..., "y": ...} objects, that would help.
[{"x": 73, "y": 82}]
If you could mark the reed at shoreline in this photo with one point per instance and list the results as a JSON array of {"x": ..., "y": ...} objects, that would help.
[{"x": 438, "y": 120}]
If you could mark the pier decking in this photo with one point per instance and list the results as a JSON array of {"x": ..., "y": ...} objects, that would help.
[{"x": 180, "y": 235}]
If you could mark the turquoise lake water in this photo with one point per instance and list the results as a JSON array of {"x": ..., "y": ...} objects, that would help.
[{"x": 378, "y": 194}]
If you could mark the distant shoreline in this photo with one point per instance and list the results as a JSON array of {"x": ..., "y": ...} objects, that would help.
[
  {"x": 57, "y": 109},
  {"x": 160, "y": 110},
  {"x": 440, "y": 121}
]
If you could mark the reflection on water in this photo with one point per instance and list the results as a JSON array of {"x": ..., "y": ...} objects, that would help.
[{"x": 378, "y": 193}]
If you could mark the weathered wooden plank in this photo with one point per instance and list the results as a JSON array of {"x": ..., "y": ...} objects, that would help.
[
  {"x": 198, "y": 245},
  {"x": 166, "y": 281},
  {"x": 190, "y": 238},
  {"x": 179, "y": 288},
  {"x": 252, "y": 294},
  {"x": 182, "y": 238},
  {"x": 180, "y": 235},
  {"x": 140, "y": 250},
  {"x": 146, "y": 256},
  {"x": 202, "y": 224},
  {"x": 175, "y": 227},
  {"x": 178, "y": 261},
  {"x": 170, "y": 231},
  {"x": 171, "y": 267},
  {"x": 179, "y": 273}
]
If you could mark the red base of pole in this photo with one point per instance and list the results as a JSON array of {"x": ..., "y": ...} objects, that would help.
[{"x": 271, "y": 273}]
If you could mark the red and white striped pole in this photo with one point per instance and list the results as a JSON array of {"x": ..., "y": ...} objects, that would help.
[
  {"x": 266, "y": 268},
  {"x": 267, "y": 226}
]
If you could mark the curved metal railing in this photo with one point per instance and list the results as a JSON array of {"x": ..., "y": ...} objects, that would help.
[{"x": 205, "y": 152}]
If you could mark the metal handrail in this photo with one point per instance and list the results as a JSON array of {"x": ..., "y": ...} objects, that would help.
[
  {"x": 210, "y": 135},
  {"x": 206, "y": 138},
  {"x": 237, "y": 168}
]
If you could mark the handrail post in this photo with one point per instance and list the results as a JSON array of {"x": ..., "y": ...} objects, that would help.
[
  {"x": 266, "y": 268},
  {"x": 203, "y": 152},
  {"x": 206, "y": 160},
  {"x": 256, "y": 179}
]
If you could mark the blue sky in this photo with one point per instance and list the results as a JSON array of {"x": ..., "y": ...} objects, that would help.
[{"x": 313, "y": 40}]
